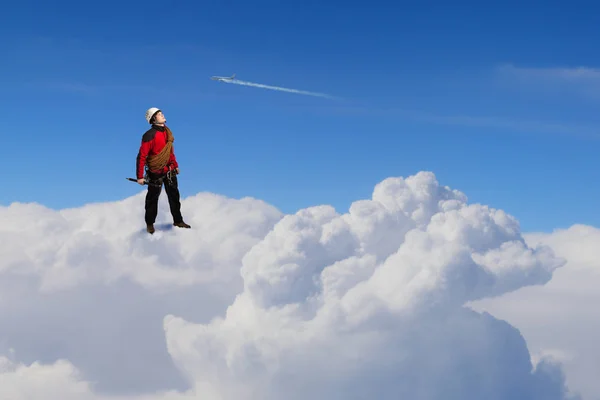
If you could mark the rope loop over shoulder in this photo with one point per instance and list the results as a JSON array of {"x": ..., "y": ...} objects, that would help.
[{"x": 160, "y": 160}]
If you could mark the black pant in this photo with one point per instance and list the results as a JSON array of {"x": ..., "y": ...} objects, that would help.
[{"x": 154, "y": 190}]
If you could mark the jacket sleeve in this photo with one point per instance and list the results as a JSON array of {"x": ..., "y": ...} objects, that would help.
[
  {"x": 173, "y": 159},
  {"x": 140, "y": 161},
  {"x": 145, "y": 146}
]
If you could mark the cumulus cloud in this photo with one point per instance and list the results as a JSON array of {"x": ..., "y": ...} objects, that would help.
[
  {"x": 254, "y": 304},
  {"x": 560, "y": 320},
  {"x": 90, "y": 286}
]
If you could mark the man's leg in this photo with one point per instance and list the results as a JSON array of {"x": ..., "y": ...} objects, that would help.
[
  {"x": 172, "y": 189},
  {"x": 154, "y": 190}
]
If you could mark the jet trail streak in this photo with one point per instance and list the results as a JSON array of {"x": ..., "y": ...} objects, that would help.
[{"x": 259, "y": 85}]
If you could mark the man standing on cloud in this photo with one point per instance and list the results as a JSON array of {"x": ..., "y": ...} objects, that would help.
[{"x": 156, "y": 157}]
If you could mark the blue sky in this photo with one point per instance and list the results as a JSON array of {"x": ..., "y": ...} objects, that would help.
[{"x": 488, "y": 97}]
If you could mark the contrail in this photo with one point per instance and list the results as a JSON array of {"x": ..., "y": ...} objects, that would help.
[{"x": 259, "y": 85}]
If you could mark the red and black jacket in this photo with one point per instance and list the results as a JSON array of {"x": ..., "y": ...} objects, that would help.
[{"x": 153, "y": 140}]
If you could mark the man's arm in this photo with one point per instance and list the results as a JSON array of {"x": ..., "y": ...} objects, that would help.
[
  {"x": 140, "y": 161},
  {"x": 145, "y": 146},
  {"x": 173, "y": 159}
]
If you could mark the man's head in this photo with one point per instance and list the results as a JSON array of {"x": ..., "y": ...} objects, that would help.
[{"x": 155, "y": 116}]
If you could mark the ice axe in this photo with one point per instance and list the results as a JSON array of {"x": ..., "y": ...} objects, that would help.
[{"x": 145, "y": 182}]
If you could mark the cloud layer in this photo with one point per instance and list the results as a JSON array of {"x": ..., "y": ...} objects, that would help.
[{"x": 254, "y": 304}]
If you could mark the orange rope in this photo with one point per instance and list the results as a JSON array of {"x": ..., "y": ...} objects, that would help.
[{"x": 160, "y": 160}]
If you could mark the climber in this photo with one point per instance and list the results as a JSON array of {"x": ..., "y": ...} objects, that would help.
[{"x": 156, "y": 157}]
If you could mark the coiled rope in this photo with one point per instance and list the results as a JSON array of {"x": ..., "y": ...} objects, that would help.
[{"x": 160, "y": 160}]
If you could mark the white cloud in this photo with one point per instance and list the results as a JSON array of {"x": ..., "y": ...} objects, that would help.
[
  {"x": 568, "y": 74},
  {"x": 259, "y": 305},
  {"x": 561, "y": 80},
  {"x": 57, "y": 381},
  {"x": 90, "y": 286},
  {"x": 561, "y": 318}
]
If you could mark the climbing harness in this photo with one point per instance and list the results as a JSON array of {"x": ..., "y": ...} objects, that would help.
[{"x": 158, "y": 181}]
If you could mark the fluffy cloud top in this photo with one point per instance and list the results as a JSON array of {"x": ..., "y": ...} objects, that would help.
[
  {"x": 560, "y": 320},
  {"x": 259, "y": 305}
]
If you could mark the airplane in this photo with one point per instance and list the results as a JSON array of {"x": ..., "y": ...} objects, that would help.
[{"x": 223, "y": 78}]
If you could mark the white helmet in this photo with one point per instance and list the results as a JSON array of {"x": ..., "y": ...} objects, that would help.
[{"x": 150, "y": 112}]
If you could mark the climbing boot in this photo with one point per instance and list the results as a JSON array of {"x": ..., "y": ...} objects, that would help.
[
  {"x": 181, "y": 224},
  {"x": 150, "y": 228}
]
